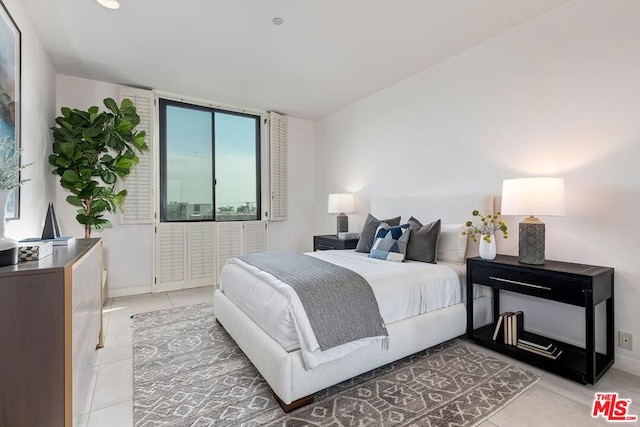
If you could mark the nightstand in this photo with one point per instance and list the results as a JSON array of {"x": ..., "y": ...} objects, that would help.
[
  {"x": 575, "y": 284},
  {"x": 331, "y": 241}
]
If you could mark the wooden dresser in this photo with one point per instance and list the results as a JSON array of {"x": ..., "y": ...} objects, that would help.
[{"x": 50, "y": 326}]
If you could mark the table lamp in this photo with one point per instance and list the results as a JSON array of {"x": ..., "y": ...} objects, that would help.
[
  {"x": 341, "y": 203},
  {"x": 532, "y": 196}
]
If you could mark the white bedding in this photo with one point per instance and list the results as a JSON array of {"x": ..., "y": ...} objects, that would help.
[{"x": 402, "y": 290}]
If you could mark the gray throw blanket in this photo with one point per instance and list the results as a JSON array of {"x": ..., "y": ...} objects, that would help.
[{"x": 339, "y": 303}]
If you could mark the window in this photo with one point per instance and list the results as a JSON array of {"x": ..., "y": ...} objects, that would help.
[{"x": 209, "y": 164}]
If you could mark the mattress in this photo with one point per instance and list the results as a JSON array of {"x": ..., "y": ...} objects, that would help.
[{"x": 402, "y": 290}]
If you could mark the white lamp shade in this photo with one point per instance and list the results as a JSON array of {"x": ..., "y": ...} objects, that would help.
[
  {"x": 341, "y": 203},
  {"x": 533, "y": 196}
]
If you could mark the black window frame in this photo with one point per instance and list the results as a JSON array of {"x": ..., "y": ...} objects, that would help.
[{"x": 162, "y": 121}]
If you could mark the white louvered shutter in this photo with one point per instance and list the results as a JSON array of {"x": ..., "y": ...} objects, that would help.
[
  {"x": 202, "y": 254},
  {"x": 229, "y": 243},
  {"x": 278, "y": 166},
  {"x": 254, "y": 236},
  {"x": 171, "y": 256},
  {"x": 137, "y": 207}
]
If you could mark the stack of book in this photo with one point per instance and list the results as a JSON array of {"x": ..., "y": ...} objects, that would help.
[
  {"x": 509, "y": 327},
  {"x": 510, "y": 330},
  {"x": 539, "y": 347}
]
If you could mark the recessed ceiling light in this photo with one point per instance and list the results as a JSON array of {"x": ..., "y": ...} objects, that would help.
[
  {"x": 109, "y": 4},
  {"x": 278, "y": 21}
]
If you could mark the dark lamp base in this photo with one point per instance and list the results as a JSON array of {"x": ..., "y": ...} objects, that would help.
[
  {"x": 531, "y": 244},
  {"x": 343, "y": 223}
]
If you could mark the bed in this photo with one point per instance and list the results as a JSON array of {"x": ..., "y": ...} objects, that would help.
[{"x": 255, "y": 309}]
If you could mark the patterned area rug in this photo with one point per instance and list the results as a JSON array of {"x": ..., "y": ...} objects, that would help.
[{"x": 189, "y": 372}]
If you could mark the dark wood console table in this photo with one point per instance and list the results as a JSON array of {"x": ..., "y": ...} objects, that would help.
[{"x": 576, "y": 284}]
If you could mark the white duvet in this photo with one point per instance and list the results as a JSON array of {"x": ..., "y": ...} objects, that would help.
[{"x": 402, "y": 290}]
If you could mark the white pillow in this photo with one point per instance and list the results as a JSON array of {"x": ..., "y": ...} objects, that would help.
[{"x": 452, "y": 244}]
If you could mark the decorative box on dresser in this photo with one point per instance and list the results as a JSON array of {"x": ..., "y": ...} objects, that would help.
[
  {"x": 331, "y": 241},
  {"x": 50, "y": 327},
  {"x": 576, "y": 284}
]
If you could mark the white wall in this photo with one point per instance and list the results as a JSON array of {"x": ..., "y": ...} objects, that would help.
[
  {"x": 38, "y": 106},
  {"x": 556, "y": 96},
  {"x": 129, "y": 248}
]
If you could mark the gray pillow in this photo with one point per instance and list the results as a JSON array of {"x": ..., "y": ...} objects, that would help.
[
  {"x": 369, "y": 232},
  {"x": 423, "y": 241}
]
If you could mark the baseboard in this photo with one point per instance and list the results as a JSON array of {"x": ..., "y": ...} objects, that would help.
[
  {"x": 627, "y": 364},
  {"x": 131, "y": 290}
]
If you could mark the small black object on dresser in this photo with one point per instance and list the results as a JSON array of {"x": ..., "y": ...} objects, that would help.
[
  {"x": 575, "y": 284},
  {"x": 331, "y": 241}
]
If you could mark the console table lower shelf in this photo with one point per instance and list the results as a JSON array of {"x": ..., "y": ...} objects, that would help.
[{"x": 571, "y": 364}]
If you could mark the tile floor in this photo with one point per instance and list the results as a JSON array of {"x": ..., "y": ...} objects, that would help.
[
  {"x": 553, "y": 401},
  {"x": 111, "y": 402}
]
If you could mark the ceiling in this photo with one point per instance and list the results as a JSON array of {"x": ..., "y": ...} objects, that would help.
[{"x": 327, "y": 54}]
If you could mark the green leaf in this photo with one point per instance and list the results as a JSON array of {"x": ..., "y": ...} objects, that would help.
[
  {"x": 86, "y": 173},
  {"x": 82, "y": 219},
  {"x": 106, "y": 159},
  {"x": 127, "y": 104},
  {"x": 60, "y": 161},
  {"x": 66, "y": 148},
  {"x": 116, "y": 141},
  {"x": 66, "y": 112},
  {"x": 119, "y": 198},
  {"x": 111, "y": 105},
  {"x": 139, "y": 142},
  {"x": 68, "y": 185},
  {"x": 108, "y": 177},
  {"x": 80, "y": 116},
  {"x": 70, "y": 176},
  {"x": 88, "y": 190},
  {"x": 64, "y": 123},
  {"x": 122, "y": 165},
  {"x": 53, "y": 160},
  {"x": 131, "y": 116},
  {"x": 74, "y": 201},
  {"x": 93, "y": 134},
  {"x": 98, "y": 206},
  {"x": 124, "y": 126},
  {"x": 105, "y": 193},
  {"x": 101, "y": 223}
]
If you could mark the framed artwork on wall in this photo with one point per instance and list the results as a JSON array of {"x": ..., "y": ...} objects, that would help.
[{"x": 10, "y": 52}]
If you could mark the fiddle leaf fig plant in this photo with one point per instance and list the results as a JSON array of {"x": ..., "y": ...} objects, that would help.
[{"x": 92, "y": 150}]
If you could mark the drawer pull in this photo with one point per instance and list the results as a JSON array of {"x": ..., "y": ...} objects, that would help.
[
  {"x": 321, "y": 247},
  {"x": 520, "y": 283}
]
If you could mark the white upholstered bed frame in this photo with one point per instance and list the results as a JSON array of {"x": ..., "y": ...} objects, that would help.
[{"x": 284, "y": 371}]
